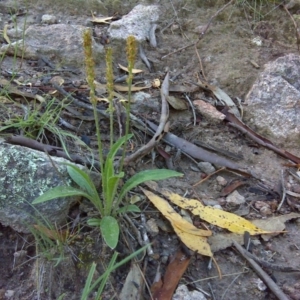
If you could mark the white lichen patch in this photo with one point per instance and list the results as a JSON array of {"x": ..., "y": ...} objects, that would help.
[{"x": 24, "y": 175}]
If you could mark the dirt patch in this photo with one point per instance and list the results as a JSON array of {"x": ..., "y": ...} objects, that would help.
[{"x": 240, "y": 40}]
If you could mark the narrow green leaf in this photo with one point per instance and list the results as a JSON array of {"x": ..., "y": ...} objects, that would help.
[
  {"x": 88, "y": 282},
  {"x": 82, "y": 179},
  {"x": 60, "y": 192},
  {"x": 117, "y": 265},
  {"x": 128, "y": 208},
  {"x": 117, "y": 145},
  {"x": 94, "y": 222},
  {"x": 157, "y": 174},
  {"x": 112, "y": 186},
  {"x": 110, "y": 231}
]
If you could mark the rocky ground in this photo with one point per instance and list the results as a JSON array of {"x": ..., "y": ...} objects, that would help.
[{"x": 249, "y": 51}]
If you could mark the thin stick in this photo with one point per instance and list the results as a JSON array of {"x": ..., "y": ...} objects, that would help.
[
  {"x": 159, "y": 129},
  {"x": 208, "y": 176},
  {"x": 200, "y": 63},
  {"x": 192, "y": 107},
  {"x": 215, "y": 15},
  {"x": 283, "y": 192},
  {"x": 261, "y": 273}
]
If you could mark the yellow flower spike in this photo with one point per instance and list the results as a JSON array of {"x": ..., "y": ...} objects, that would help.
[{"x": 89, "y": 63}]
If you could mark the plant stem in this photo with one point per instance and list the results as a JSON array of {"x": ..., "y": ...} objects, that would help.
[
  {"x": 131, "y": 54},
  {"x": 90, "y": 72}
]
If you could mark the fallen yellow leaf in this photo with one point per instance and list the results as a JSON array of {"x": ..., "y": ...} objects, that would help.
[
  {"x": 190, "y": 235},
  {"x": 198, "y": 244},
  {"x": 210, "y": 214},
  {"x": 213, "y": 215}
]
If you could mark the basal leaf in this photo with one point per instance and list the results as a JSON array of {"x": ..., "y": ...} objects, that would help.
[
  {"x": 110, "y": 231},
  {"x": 82, "y": 179},
  {"x": 94, "y": 222},
  {"x": 128, "y": 208},
  {"x": 111, "y": 190},
  {"x": 60, "y": 192},
  {"x": 117, "y": 145},
  {"x": 157, "y": 174}
]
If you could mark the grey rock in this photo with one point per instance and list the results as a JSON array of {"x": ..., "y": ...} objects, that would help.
[
  {"x": 25, "y": 174},
  {"x": 136, "y": 23},
  {"x": 64, "y": 42},
  {"x": 144, "y": 103},
  {"x": 206, "y": 167},
  {"x": 49, "y": 19},
  {"x": 273, "y": 107},
  {"x": 235, "y": 198},
  {"x": 183, "y": 293}
]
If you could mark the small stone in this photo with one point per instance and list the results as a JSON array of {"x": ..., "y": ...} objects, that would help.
[
  {"x": 221, "y": 180},
  {"x": 265, "y": 211},
  {"x": 256, "y": 242},
  {"x": 182, "y": 293},
  {"x": 217, "y": 206},
  {"x": 206, "y": 167},
  {"x": 235, "y": 198},
  {"x": 49, "y": 19},
  {"x": 9, "y": 294},
  {"x": 152, "y": 227}
]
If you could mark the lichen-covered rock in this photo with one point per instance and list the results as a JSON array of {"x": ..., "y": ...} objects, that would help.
[
  {"x": 273, "y": 105},
  {"x": 25, "y": 174},
  {"x": 63, "y": 41}
]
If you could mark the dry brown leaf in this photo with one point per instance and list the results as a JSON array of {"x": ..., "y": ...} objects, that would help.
[
  {"x": 125, "y": 88},
  {"x": 134, "y": 71},
  {"x": 60, "y": 235},
  {"x": 5, "y": 36},
  {"x": 190, "y": 235},
  {"x": 174, "y": 272},
  {"x": 275, "y": 223},
  {"x": 177, "y": 103},
  {"x": 102, "y": 20}
]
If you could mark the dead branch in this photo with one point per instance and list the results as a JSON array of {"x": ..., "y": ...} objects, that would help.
[
  {"x": 235, "y": 122},
  {"x": 159, "y": 129},
  {"x": 51, "y": 150},
  {"x": 261, "y": 273}
]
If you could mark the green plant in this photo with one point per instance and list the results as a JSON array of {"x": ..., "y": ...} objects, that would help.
[
  {"x": 38, "y": 120},
  {"x": 257, "y": 7},
  {"x": 101, "y": 281},
  {"x": 109, "y": 204}
]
